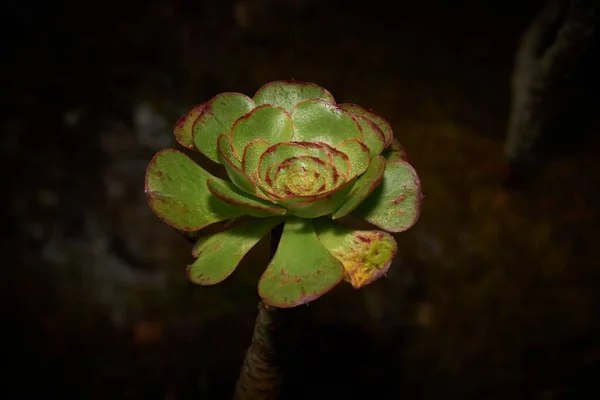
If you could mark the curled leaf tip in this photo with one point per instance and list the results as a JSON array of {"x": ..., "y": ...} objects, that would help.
[
  {"x": 365, "y": 255},
  {"x": 183, "y": 127}
]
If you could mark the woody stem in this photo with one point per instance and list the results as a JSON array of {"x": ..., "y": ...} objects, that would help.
[{"x": 276, "y": 333}]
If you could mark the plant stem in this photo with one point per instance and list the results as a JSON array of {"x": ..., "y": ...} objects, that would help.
[{"x": 276, "y": 332}]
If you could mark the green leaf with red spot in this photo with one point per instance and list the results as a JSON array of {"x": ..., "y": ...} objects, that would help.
[
  {"x": 266, "y": 122},
  {"x": 365, "y": 255},
  {"x": 301, "y": 270},
  {"x": 373, "y": 136},
  {"x": 177, "y": 193},
  {"x": 218, "y": 116},
  {"x": 231, "y": 194},
  {"x": 218, "y": 255},
  {"x": 183, "y": 127},
  {"x": 317, "y": 120},
  {"x": 396, "y": 204},
  {"x": 233, "y": 165},
  {"x": 376, "y": 118},
  {"x": 287, "y": 94},
  {"x": 362, "y": 188}
]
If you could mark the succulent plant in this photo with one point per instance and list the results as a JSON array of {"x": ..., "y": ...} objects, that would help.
[{"x": 296, "y": 157}]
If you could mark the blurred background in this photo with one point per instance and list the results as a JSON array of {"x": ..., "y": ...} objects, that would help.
[{"x": 494, "y": 294}]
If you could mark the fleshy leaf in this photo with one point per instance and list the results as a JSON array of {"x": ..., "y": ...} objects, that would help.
[
  {"x": 177, "y": 193},
  {"x": 288, "y": 94},
  {"x": 366, "y": 255},
  {"x": 233, "y": 165},
  {"x": 312, "y": 208},
  {"x": 183, "y": 127},
  {"x": 373, "y": 137},
  {"x": 218, "y": 255},
  {"x": 378, "y": 119},
  {"x": 321, "y": 204},
  {"x": 218, "y": 116},
  {"x": 301, "y": 176},
  {"x": 358, "y": 154},
  {"x": 340, "y": 160},
  {"x": 317, "y": 120},
  {"x": 396, "y": 203},
  {"x": 395, "y": 152},
  {"x": 251, "y": 157},
  {"x": 267, "y": 122},
  {"x": 300, "y": 170},
  {"x": 231, "y": 194},
  {"x": 363, "y": 187},
  {"x": 301, "y": 270}
]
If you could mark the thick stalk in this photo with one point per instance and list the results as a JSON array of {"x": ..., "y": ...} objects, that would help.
[{"x": 276, "y": 332}]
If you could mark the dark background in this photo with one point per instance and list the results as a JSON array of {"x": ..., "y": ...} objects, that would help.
[{"x": 493, "y": 294}]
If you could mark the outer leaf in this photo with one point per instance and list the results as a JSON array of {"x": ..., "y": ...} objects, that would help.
[
  {"x": 396, "y": 204},
  {"x": 363, "y": 187},
  {"x": 230, "y": 194},
  {"x": 177, "y": 193},
  {"x": 358, "y": 154},
  {"x": 266, "y": 122},
  {"x": 317, "y": 120},
  {"x": 218, "y": 255},
  {"x": 218, "y": 117},
  {"x": 395, "y": 152},
  {"x": 233, "y": 165},
  {"x": 378, "y": 119},
  {"x": 301, "y": 270},
  {"x": 366, "y": 255},
  {"x": 287, "y": 94},
  {"x": 373, "y": 137},
  {"x": 183, "y": 127}
]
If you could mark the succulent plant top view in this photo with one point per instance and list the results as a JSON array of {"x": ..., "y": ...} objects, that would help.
[{"x": 293, "y": 156}]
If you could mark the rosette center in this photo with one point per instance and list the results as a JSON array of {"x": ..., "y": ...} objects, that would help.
[{"x": 302, "y": 176}]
